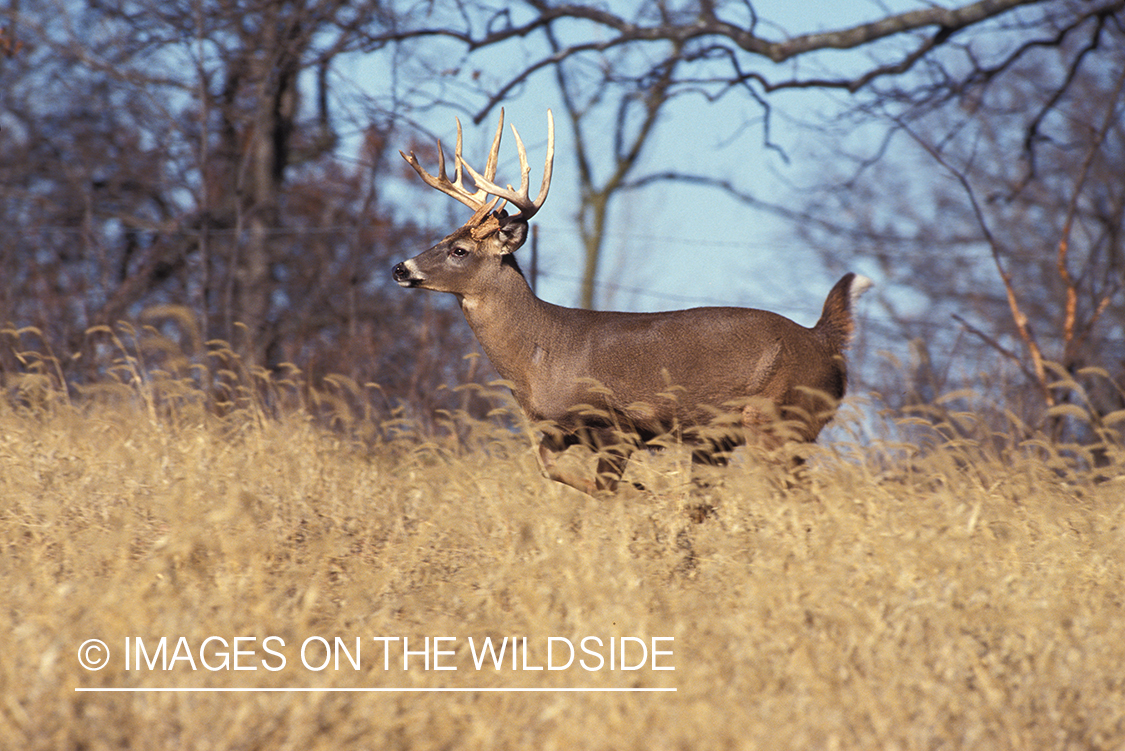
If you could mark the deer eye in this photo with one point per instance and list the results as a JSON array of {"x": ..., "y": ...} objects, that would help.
[{"x": 458, "y": 252}]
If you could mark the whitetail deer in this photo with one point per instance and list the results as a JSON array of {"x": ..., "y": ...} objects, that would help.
[{"x": 619, "y": 381}]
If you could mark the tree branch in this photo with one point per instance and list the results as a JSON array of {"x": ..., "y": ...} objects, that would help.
[
  {"x": 947, "y": 21},
  {"x": 1023, "y": 327},
  {"x": 1071, "y": 311},
  {"x": 992, "y": 342}
]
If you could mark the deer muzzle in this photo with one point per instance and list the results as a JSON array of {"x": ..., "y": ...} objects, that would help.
[{"x": 406, "y": 275}]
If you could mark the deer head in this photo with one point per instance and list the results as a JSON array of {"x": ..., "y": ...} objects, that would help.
[{"x": 456, "y": 263}]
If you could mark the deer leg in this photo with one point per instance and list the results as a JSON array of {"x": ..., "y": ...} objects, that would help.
[
  {"x": 706, "y": 461},
  {"x": 708, "y": 457},
  {"x": 611, "y": 466},
  {"x": 712, "y": 453},
  {"x": 770, "y": 434},
  {"x": 548, "y": 456}
]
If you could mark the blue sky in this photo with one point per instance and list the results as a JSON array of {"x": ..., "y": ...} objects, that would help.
[{"x": 671, "y": 245}]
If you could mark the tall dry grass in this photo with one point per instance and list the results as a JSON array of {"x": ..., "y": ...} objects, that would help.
[{"x": 957, "y": 596}]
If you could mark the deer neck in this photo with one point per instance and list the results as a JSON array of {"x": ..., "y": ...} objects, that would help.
[{"x": 514, "y": 327}]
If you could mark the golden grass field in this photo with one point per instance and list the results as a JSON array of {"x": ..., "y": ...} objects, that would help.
[{"x": 944, "y": 598}]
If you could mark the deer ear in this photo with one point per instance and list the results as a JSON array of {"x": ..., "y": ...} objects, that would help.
[{"x": 512, "y": 233}]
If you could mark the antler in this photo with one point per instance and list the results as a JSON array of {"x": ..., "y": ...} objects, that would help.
[{"x": 478, "y": 200}]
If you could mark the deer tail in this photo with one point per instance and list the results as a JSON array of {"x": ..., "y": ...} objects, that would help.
[{"x": 837, "y": 321}]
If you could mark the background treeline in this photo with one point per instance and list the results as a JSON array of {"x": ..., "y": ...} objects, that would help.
[{"x": 227, "y": 171}]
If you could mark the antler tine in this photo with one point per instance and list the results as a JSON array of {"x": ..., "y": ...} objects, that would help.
[
  {"x": 494, "y": 152},
  {"x": 456, "y": 155},
  {"x": 548, "y": 162},
  {"x": 490, "y": 165},
  {"x": 521, "y": 199}
]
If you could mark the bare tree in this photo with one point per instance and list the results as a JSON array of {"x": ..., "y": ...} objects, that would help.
[
  {"x": 185, "y": 158},
  {"x": 637, "y": 109},
  {"x": 1014, "y": 244}
]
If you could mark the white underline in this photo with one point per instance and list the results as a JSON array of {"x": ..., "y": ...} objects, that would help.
[{"x": 374, "y": 690}]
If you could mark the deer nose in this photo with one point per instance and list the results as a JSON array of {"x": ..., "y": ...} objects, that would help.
[{"x": 404, "y": 275}]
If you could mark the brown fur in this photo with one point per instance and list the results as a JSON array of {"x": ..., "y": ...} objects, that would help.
[{"x": 618, "y": 381}]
